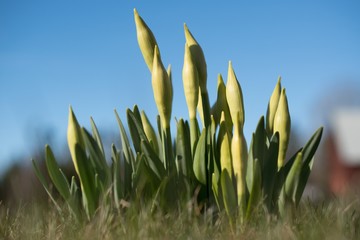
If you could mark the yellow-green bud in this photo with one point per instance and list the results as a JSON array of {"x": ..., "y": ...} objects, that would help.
[
  {"x": 191, "y": 83},
  {"x": 169, "y": 72},
  {"x": 146, "y": 40},
  {"x": 225, "y": 146},
  {"x": 149, "y": 131},
  {"x": 198, "y": 58},
  {"x": 162, "y": 90},
  {"x": 221, "y": 104},
  {"x": 272, "y": 106},
  {"x": 74, "y": 137},
  {"x": 235, "y": 98},
  {"x": 282, "y": 124},
  {"x": 239, "y": 159}
]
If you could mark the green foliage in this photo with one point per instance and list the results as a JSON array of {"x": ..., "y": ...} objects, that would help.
[{"x": 211, "y": 168}]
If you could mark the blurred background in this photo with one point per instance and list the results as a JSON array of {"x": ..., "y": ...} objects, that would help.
[{"x": 54, "y": 54}]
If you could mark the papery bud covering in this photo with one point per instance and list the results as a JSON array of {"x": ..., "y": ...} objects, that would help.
[
  {"x": 225, "y": 146},
  {"x": 191, "y": 83},
  {"x": 146, "y": 40},
  {"x": 74, "y": 137},
  {"x": 272, "y": 106},
  {"x": 198, "y": 58},
  {"x": 149, "y": 131},
  {"x": 239, "y": 159},
  {"x": 162, "y": 89},
  {"x": 235, "y": 98},
  {"x": 282, "y": 124}
]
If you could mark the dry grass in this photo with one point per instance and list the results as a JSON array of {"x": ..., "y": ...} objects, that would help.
[{"x": 332, "y": 220}]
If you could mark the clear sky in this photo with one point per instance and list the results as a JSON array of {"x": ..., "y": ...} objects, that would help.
[{"x": 85, "y": 53}]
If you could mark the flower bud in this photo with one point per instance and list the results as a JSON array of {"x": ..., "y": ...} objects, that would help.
[
  {"x": 239, "y": 159},
  {"x": 225, "y": 146},
  {"x": 169, "y": 73},
  {"x": 191, "y": 83},
  {"x": 145, "y": 39},
  {"x": 282, "y": 124},
  {"x": 272, "y": 106},
  {"x": 221, "y": 104},
  {"x": 74, "y": 137},
  {"x": 198, "y": 58},
  {"x": 162, "y": 89},
  {"x": 235, "y": 98},
  {"x": 149, "y": 132}
]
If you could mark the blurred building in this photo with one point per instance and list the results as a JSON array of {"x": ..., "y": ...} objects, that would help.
[{"x": 343, "y": 151}]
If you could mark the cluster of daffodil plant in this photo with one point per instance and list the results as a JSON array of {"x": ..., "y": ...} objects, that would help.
[{"x": 209, "y": 162}]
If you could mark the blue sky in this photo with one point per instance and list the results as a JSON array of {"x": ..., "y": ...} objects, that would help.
[{"x": 85, "y": 53}]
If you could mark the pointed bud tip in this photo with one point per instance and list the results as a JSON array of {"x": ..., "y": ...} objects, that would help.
[{"x": 71, "y": 111}]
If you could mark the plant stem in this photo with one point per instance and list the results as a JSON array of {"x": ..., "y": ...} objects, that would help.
[{"x": 167, "y": 150}]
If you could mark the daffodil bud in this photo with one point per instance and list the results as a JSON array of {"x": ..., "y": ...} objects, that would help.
[
  {"x": 235, "y": 98},
  {"x": 225, "y": 146},
  {"x": 191, "y": 83},
  {"x": 198, "y": 58},
  {"x": 239, "y": 158},
  {"x": 74, "y": 137},
  {"x": 282, "y": 124},
  {"x": 146, "y": 40},
  {"x": 162, "y": 90},
  {"x": 221, "y": 104},
  {"x": 169, "y": 73},
  {"x": 272, "y": 106},
  {"x": 149, "y": 132}
]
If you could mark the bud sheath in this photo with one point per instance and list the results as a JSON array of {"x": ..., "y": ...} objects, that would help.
[
  {"x": 282, "y": 124},
  {"x": 162, "y": 89}
]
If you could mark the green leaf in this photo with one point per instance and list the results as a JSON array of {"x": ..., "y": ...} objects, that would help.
[
  {"x": 57, "y": 177},
  {"x": 134, "y": 130},
  {"x": 199, "y": 165},
  {"x": 97, "y": 158},
  {"x": 145, "y": 179},
  {"x": 229, "y": 195},
  {"x": 279, "y": 194},
  {"x": 308, "y": 159},
  {"x": 87, "y": 181},
  {"x": 136, "y": 126},
  {"x": 74, "y": 200},
  {"x": 128, "y": 176},
  {"x": 255, "y": 190},
  {"x": 42, "y": 180},
  {"x": 136, "y": 113},
  {"x": 153, "y": 160},
  {"x": 125, "y": 142},
  {"x": 211, "y": 148},
  {"x": 117, "y": 184},
  {"x": 183, "y": 148},
  {"x": 216, "y": 187},
  {"x": 260, "y": 142},
  {"x": 292, "y": 178},
  {"x": 96, "y": 136},
  {"x": 270, "y": 169}
]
